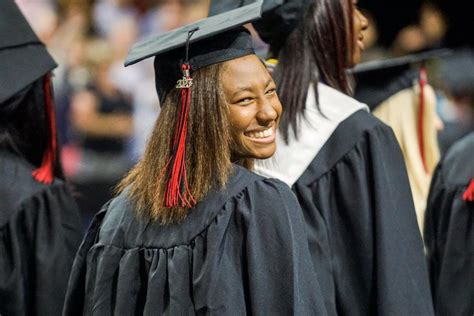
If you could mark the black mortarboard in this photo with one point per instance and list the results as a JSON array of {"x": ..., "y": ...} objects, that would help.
[
  {"x": 211, "y": 40},
  {"x": 457, "y": 73},
  {"x": 23, "y": 58},
  {"x": 279, "y": 17},
  {"x": 179, "y": 52},
  {"x": 378, "y": 80}
]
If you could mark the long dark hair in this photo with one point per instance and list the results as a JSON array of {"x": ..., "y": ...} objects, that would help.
[
  {"x": 24, "y": 125},
  {"x": 319, "y": 48},
  {"x": 208, "y": 149}
]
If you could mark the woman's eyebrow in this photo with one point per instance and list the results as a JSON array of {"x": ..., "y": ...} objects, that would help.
[{"x": 269, "y": 82}]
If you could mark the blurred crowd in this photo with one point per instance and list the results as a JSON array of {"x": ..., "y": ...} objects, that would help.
[{"x": 105, "y": 111}]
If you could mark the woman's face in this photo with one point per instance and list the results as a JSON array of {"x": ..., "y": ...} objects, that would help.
[
  {"x": 254, "y": 107},
  {"x": 360, "y": 24}
]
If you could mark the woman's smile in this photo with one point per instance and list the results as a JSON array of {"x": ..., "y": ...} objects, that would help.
[{"x": 264, "y": 136}]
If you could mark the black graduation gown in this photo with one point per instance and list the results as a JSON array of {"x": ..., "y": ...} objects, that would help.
[
  {"x": 357, "y": 200},
  {"x": 449, "y": 232},
  {"x": 40, "y": 232},
  {"x": 361, "y": 223},
  {"x": 240, "y": 251}
]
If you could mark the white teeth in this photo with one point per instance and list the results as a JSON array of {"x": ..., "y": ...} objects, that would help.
[{"x": 262, "y": 134}]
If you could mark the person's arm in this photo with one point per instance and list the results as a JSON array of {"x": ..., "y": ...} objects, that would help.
[
  {"x": 86, "y": 118},
  {"x": 402, "y": 283}
]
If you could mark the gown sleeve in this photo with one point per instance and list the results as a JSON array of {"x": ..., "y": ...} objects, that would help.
[
  {"x": 449, "y": 239},
  {"x": 37, "y": 248},
  {"x": 362, "y": 206},
  {"x": 282, "y": 280},
  {"x": 402, "y": 282},
  {"x": 76, "y": 289}
]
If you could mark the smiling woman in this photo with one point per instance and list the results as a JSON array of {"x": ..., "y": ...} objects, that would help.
[
  {"x": 191, "y": 231},
  {"x": 254, "y": 108}
]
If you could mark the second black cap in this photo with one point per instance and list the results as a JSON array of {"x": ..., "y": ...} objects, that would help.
[{"x": 23, "y": 58}]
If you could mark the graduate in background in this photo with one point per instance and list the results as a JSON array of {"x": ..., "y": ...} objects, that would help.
[
  {"x": 449, "y": 230},
  {"x": 39, "y": 220},
  {"x": 343, "y": 164},
  {"x": 398, "y": 93},
  {"x": 191, "y": 231}
]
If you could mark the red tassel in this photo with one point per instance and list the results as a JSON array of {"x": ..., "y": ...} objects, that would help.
[
  {"x": 468, "y": 196},
  {"x": 177, "y": 190},
  {"x": 45, "y": 173},
  {"x": 421, "y": 114}
]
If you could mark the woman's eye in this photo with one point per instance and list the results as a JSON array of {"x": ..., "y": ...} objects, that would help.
[
  {"x": 245, "y": 100},
  {"x": 270, "y": 92}
]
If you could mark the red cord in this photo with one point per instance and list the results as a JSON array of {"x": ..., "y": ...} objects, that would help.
[
  {"x": 177, "y": 191},
  {"x": 45, "y": 173},
  {"x": 421, "y": 114}
]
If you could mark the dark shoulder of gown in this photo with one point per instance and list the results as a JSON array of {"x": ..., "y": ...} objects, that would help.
[
  {"x": 449, "y": 232},
  {"x": 242, "y": 250},
  {"x": 40, "y": 232},
  {"x": 361, "y": 223}
]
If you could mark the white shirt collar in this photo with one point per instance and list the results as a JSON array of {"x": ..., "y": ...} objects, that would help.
[{"x": 291, "y": 160}]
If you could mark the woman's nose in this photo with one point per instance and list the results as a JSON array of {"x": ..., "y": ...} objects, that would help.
[{"x": 267, "y": 112}]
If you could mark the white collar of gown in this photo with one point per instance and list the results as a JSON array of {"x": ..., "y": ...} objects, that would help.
[{"x": 291, "y": 160}]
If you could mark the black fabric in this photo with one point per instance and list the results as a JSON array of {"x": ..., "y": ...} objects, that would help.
[
  {"x": 39, "y": 236},
  {"x": 240, "y": 251},
  {"x": 14, "y": 29},
  {"x": 375, "y": 87},
  {"x": 23, "y": 58},
  {"x": 449, "y": 232},
  {"x": 12, "y": 104},
  {"x": 361, "y": 223}
]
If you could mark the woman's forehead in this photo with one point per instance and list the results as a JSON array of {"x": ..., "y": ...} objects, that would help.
[{"x": 245, "y": 71}]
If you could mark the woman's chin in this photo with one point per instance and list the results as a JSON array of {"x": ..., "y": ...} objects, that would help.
[{"x": 264, "y": 153}]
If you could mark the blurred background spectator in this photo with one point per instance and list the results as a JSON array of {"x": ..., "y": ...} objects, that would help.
[{"x": 105, "y": 112}]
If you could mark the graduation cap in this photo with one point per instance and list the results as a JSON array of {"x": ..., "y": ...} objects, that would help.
[
  {"x": 377, "y": 81},
  {"x": 177, "y": 54},
  {"x": 24, "y": 60},
  {"x": 279, "y": 17}
]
